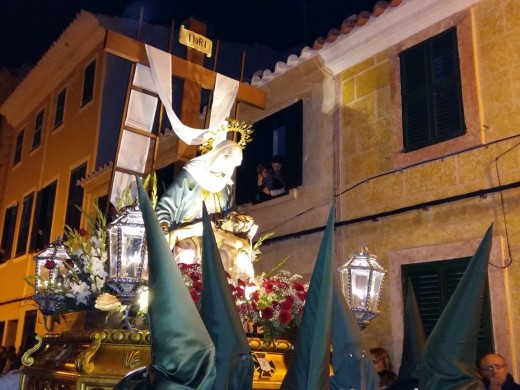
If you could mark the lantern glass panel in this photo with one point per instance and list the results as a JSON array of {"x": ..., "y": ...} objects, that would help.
[
  {"x": 132, "y": 245},
  {"x": 113, "y": 241},
  {"x": 375, "y": 289},
  {"x": 360, "y": 278}
]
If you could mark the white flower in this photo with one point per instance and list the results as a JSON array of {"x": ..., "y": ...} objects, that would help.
[
  {"x": 98, "y": 268},
  {"x": 98, "y": 284},
  {"x": 81, "y": 291},
  {"x": 95, "y": 241}
]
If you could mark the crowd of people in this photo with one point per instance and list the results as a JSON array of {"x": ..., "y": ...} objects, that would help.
[{"x": 492, "y": 370}]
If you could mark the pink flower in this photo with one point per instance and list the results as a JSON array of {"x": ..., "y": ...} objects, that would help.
[
  {"x": 299, "y": 286},
  {"x": 285, "y": 316},
  {"x": 194, "y": 276},
  {"x": 268, "y": 313}
]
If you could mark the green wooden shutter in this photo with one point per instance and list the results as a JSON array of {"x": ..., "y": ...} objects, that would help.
[
  {"x": 25, "y": 222},
  {"x": 448, "y": 115},
  {"x": 434, "y": 283},
  {"x": 415, "y": 90},
  {"x": 8, "y": 231},
  {"x": 431, "y": 92}
]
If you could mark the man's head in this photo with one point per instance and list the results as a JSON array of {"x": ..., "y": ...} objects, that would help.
[{"x": 493, "y": 366}]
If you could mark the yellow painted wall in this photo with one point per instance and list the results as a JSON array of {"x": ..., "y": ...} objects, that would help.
[{"x": 375, "y": 181}]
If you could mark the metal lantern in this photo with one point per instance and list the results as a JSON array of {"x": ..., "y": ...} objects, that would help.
[
  {"x": 127, "y": 253},
  {"x": 51, "y": 271},
  {"x": 362, "y": 281}
]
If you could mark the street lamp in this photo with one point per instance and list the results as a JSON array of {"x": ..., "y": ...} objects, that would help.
[{"x": 362, "y": 281}]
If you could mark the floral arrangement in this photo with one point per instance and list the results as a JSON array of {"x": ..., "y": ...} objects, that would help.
[
  {"x": 80, "y": 279},
  {"x": 270, "y": 306}
]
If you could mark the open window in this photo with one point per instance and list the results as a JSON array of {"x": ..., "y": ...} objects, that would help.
[{"x": 278, "y": 135}]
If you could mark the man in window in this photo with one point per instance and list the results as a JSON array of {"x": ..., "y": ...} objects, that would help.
[{"x": 493, "y": 368}]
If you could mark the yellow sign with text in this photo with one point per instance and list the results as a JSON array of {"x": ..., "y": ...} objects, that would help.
[{"x": 195, "y": 41}]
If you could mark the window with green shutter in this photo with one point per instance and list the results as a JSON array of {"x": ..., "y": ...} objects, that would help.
[
  {"x": 431, "y": 92},
  {"x": 8, "y": 232},
  {"x": 75, "y": 198},
  {"x": 25, "y": 223},
  {"x": 434, "y": 283}
]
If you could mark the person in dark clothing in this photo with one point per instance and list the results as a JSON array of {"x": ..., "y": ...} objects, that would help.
[
  {"x": 264, "y": 181},
  {"x": 383, "y": 366},
  {"x": 494, "y": 371},
  {"x": 277, "y": 164}
]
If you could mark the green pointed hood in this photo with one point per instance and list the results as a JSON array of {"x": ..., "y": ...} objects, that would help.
[
  {"x": 352, "y": 366},
  {"x": 310, "y": 367},
  {"x": 234, "y": 363},
  {"x": 183, "y": 354},
  {"x": 451, "y": 349},
  {"x": 413, "y": 343}
]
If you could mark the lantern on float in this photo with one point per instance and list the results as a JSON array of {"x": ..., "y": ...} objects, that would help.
[
  {"x": 127, "y": 254},
  {"x": 52, "y": 265}
]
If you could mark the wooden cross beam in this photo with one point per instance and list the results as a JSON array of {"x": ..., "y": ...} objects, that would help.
[{"x": 134, "y": 50}]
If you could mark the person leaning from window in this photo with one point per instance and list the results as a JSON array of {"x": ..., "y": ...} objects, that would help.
[
  {"x": 264, "y": 182},
  {"x": 494, "y": 371},
  {"x": 277, "y": 164},
  {"x": 383, "y": 366}
]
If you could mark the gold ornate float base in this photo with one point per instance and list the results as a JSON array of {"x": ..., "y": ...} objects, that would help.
[{"x": 97, "y": 360}]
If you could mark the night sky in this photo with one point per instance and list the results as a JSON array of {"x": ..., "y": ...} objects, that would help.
[{"x": 29, "y": 27}]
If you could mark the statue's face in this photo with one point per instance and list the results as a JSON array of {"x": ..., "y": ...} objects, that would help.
[{"x": 225, "y": 163}]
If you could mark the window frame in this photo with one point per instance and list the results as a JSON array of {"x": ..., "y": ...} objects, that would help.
[
  {"x": 263, "y": 147},
  {"x": 470, "y": 97},
  {"x": 431, "y": 91},
  {"x": 448, "y": 273}
]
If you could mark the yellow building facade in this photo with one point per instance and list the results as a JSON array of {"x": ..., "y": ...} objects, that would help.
[{"x": 46, "y": 137}]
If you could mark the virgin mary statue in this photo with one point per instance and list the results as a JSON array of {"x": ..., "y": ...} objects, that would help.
[{"x": 205, "y": 178}]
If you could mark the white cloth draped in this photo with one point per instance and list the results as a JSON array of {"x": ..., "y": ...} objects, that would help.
[
  {"x": 134, "y": 148},
  {"x": 224, "y": 96}
]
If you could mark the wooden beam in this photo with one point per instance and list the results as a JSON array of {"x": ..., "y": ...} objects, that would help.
[{"x": 134, "y": 50}]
